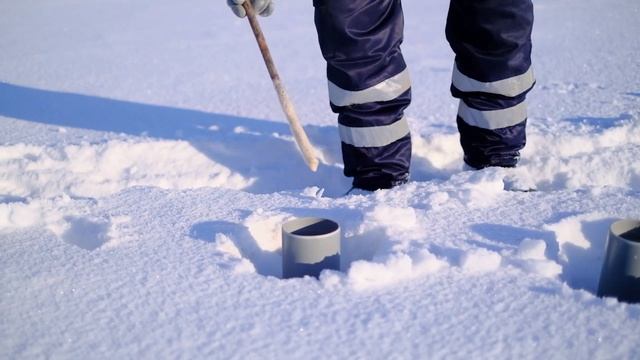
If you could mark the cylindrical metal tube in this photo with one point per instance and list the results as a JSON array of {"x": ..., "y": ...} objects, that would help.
[
  {"x": 620, "y": 276},
  {"x": 310, "y": 245}
]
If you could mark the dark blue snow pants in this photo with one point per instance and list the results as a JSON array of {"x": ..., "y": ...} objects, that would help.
[{"x": 370, "y": 88}]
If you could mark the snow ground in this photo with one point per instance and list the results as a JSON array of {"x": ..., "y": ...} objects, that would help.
[{"x": 145, "y": 167}]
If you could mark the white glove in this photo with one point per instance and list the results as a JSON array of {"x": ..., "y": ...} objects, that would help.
[{"x": 262, "y": 7}]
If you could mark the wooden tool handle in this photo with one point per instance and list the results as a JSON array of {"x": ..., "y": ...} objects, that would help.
[{"x": 308, "y": 152}]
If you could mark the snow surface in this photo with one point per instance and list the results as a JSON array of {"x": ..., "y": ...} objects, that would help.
[{"x": 145, "y": 169}]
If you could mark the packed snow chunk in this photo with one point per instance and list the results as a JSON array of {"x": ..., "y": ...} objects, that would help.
[
  {"x": 442, "y": 152},
  {"x": 531, "y": 258},
  {"x": 10, "y": 153},
  {"x": 365, "y": 274},
  {"x": 225, "y": 246},
  {"x": 532, "y": 249},
  {"x": 546, "y": 268},
  {"x": 118, "y": 231},
  {"x": 230, "y": 256},
  {"x": 96, "y": 170},
  {"x": 424, "y": 262},
  {"x": 395, "y": 268},
  {"x": 478, "y": 189},
  {"x": 590, "y": 157},
  {"x": 480, "y": 261},
  {"x": 266, "y": 228},
  {"x": 16, "y": 215},
  {"x": 253, "y": 245},
  {"x": 244, "y": 266},
  {"x": 519, "y": 179},
  {"x": 331, "y": 279},
  {"x": 582, "y": 141},
  {"x": 438, "y": 199},
  {"x": 581, "y": 243},
  {"x": 615, "y": 166},
  {"x": 383, "y": 231},
  {"x": 570, "y": 232},
  {"x": 391, "y": 217}
]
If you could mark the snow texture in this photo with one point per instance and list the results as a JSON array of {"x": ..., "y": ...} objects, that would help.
[{"x": 146, "y": 169}]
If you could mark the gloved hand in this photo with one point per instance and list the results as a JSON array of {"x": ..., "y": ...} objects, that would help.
[{"x": 262, "y": 7}]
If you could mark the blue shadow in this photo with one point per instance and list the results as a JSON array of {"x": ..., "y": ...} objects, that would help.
[
  {"x": 600, "y": 122},
  {"x": 257, "y": 149}
]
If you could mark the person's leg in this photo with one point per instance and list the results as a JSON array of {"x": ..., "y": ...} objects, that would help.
[
  {"x": 369, "y": 87},
  {"x": 491, "y": 77}
]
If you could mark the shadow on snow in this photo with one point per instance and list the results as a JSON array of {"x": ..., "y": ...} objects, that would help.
[{"x": 258, "y": 149}]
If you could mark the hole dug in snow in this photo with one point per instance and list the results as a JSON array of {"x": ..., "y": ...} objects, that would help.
[
  {"x": 581, "y": 242},
  {"x": 85, "y": 233},
  {"x": 378, "y": 248},
  {"x": 251, "y": 246}
]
